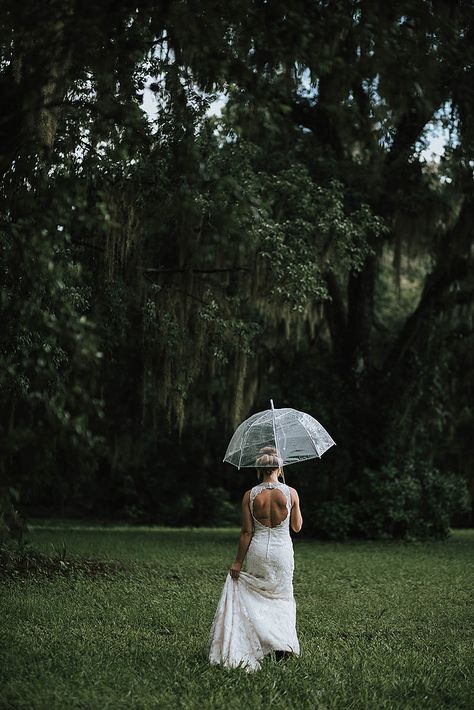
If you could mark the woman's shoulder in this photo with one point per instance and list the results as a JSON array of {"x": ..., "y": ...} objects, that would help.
[
  {"x": 293, "y": 493},
  {"x": 252, "y": 491}
]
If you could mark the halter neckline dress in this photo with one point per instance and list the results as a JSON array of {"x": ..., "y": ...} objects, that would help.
[{"x": 256, "y": 613}]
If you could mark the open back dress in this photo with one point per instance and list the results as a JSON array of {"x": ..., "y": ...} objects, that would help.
[{"x": 256, "y": 613}]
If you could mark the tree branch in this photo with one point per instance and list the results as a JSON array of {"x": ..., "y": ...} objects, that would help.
[
  {"x": 195, "y": 271},
  {"x": 452, "y": 263}
]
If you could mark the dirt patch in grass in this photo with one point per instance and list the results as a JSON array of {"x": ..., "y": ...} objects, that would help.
[{"x": 27, "y": 562}]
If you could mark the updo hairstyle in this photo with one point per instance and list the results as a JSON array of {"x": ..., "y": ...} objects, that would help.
[{"x": 267, "y": 460}]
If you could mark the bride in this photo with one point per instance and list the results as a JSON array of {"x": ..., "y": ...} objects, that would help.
[{"x": 256, "y": 613}]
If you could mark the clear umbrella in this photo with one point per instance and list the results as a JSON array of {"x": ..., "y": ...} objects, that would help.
[{"x": 295, "y": 435}]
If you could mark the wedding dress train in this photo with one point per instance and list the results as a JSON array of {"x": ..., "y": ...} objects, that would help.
[{"x": 256, "y": 613}]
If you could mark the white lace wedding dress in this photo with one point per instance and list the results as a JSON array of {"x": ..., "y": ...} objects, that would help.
[{"x": 256, "y": 613}]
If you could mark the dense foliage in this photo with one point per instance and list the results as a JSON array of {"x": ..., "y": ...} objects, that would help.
[{"x": 166, "y": 271}]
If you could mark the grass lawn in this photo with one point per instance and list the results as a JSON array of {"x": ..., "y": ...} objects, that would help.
[{"x": 381, "y": 625}]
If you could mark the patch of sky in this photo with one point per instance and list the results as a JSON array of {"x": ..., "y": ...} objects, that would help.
[
  {"x": 308, "y": 88},
  {"x": 439, "y": 133}
]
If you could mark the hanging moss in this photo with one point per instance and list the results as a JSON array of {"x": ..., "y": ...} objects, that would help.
[
  {"x": 239, "y": 381},
  {"x": 122, "y": 236}
]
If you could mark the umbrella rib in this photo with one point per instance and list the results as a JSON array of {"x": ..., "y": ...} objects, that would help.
[
  {"x": 310, "y": 438},
  {"x": 274, "y": 433},
  {"x": 242, "y": 448},
  {"x": 258, "y": 419},
  {"x": 246, "y": 435}
]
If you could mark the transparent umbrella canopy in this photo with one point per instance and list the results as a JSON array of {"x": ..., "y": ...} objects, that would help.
[{"x": 296, "y": 436}]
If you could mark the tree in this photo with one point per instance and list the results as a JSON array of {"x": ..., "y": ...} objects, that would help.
[{"x": 208, "y": 247}]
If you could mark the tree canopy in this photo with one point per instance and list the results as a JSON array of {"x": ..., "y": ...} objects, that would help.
[{"x": 165, "y": 272}]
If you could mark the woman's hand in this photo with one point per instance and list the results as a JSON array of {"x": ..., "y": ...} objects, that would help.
[{"x": 235, "y": 569}]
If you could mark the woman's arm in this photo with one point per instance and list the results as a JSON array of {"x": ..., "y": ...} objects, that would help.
[
  {"x": 246, "y": 533},
  {"x": 296, "y": 517}
]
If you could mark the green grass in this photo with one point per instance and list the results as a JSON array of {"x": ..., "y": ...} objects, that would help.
[{"x": 381, "y": 625}]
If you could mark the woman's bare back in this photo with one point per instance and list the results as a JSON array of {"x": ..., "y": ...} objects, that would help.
[{"x": 269, "y": 507}]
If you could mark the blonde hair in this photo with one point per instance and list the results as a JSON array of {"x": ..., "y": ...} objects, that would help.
[{"x": 267, "y": 461}]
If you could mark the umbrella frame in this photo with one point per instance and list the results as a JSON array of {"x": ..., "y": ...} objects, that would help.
[{"x": 274, "y": 427}]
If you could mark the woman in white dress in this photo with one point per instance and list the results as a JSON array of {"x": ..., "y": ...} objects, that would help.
[{"x": 256, "y": 613}]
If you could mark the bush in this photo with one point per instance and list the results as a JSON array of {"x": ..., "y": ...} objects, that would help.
[
  {"x": 413, "y": 501},
  {"x": 216, "y": 509},
  {"x": 12, "y": 525},
  {"x": 204, "y": 506},
  {"x": 333, "y": 520}
]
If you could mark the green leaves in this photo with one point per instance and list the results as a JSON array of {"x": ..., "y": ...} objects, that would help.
[{"x": 160, "y": 266}]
